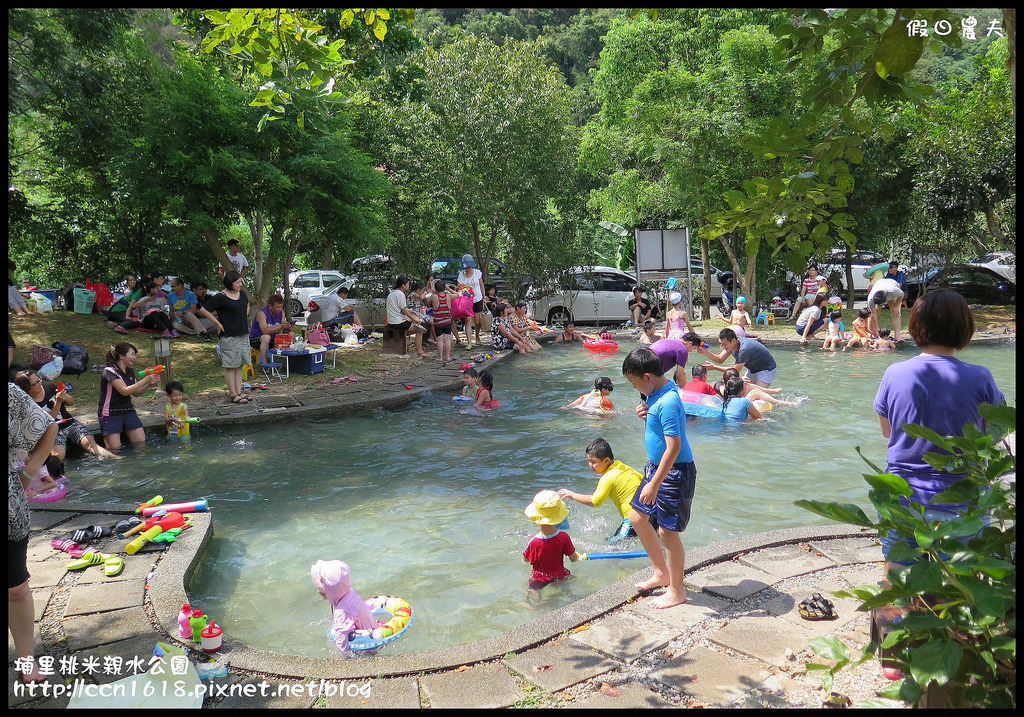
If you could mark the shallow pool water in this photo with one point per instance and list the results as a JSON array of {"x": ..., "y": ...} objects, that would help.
[{"x": 427, "y": 501}]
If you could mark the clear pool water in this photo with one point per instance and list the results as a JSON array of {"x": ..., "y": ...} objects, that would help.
[{"x": 427, "y": 501}]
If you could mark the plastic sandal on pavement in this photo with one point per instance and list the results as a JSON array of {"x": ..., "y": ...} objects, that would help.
[
  {"x": 90, "y": 558},
  {"x": 817, "y": 608},
  {"x": 113, "y": 566},
  {"x": 93, "y": 532},
  {"x": 68, "y": 546}
]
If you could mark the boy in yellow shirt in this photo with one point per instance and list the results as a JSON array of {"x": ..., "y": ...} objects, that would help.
[{"x": 618, "y": 481}]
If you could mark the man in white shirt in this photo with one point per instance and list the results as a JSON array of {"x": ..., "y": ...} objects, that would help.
[
  {"x": 339, "y": 310},
  {"x": 400, "y": 317},
  {"x": 237, "y": 258}
]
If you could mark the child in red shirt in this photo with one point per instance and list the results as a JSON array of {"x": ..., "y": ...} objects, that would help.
[
  {"x": 546, "y": 549},
  {"x": 698, "y": 384}
]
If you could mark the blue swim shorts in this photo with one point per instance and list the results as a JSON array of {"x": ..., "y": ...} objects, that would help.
[{"x": 675, "y": 496}]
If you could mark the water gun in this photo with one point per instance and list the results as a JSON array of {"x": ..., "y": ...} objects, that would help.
[
  {"x": 154, "y": 501},
  {"x": 195, "y": 506},
  {"x": 192, "y": 419},
  {"x": 151, "y": 371},
  {"x": 146, "y": 537},
  {"x": 169, "y": 536},
  {"x": 163, "y": 518},
  {"x": 543, "y": 329},
  {"x": 61, "y": 386}
]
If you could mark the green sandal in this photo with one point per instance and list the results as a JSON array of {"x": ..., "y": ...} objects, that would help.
[
  {"x": 89, "y": 558},
  {"x": 817, "y": 608},
  {"x": 113, "y": 566}
]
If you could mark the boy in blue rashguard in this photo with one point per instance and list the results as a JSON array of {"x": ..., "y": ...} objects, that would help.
[{"x": 669, "y": 476}]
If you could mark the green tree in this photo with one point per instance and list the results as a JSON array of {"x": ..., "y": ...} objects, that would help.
[{"x": 482, "y": 147}]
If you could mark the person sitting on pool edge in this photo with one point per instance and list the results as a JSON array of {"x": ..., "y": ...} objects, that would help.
[{"x": 618, "y": 481}]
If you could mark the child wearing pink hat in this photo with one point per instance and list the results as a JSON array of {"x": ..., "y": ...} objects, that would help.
[
  {"x": 333, "y": 580},
  {"x": 547, "y": 548}
]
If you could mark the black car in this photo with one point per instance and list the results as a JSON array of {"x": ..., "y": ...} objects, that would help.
[{"x": 977, "y": 284}]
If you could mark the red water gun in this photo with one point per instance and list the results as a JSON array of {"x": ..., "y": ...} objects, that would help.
[{"x": 151, "y": 371}]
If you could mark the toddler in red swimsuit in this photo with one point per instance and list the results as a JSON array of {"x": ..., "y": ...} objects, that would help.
[{"x": 547, "y": 548}]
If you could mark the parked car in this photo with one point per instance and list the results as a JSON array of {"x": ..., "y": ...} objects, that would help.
[
  {"x": 977, "y": 284},
  {"x": 372, "y": 263},
  {"x": 1003, "y": 263},
  {"x": 598, "y": 295},
  {"x": 833, "y": 268},
  {"x": 697, "y": 271},
  {"x": 447, "y": 269},
  {"x": 306, "y": 284},
  {"x": 371, "y": 310}
]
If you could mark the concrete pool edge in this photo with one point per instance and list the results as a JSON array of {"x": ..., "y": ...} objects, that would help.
[
  {"x": 166, "y": 591},
  {"x": 518, "y": 639}
]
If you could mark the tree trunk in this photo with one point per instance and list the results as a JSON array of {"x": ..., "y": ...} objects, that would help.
[
  {"x": 751, "y": 281},
  {"x": 1010, "y": 23},
  {"x": 213, "y": 239},
  {"x": 256, "y": 229},
  {"x": 326, "y": 259},
  {"x": 270, "y": 263},
  {"x": 849, "y": 278}
]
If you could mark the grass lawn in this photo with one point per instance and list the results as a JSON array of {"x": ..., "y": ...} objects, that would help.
[{"x": 193, "y": 361}]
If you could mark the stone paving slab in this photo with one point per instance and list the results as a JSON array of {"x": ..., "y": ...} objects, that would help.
[
  {"x": 102, "y": 628},
  {"x": 763, "y": 637},
  {"x": 560, "y": 664},
  {"x": 483, "y": 686},
  {"x": 44, "y": 520},
  {"x": 137, "y": 647},
  {"x": 708, "y": 676},
  {"x": 700, "y": 606},
  {"x": 786, "y": 561},
  {"x": 104, "y": 597},
  {"x": 265, "y": 693},
  {"x": 846, "y": 552},
  {"x": 136, "y": 567},
  {"x": 46, "y": 574},
  {"x": 731, "y": 580},
  {"x": 626, "y": 635},
  {"x": 397, "y": 693},
  {"x": 866, "y": 574},
  {"x": 632, "y": 695}
]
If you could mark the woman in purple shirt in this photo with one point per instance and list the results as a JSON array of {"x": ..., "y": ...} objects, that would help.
[{"x": 935, "y": 390}]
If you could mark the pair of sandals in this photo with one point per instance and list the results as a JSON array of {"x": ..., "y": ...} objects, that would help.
[
  {"x": 342, "y": 379},
  {"x": 112, "y": 564},
  {"x": 240, "y": 399},
  {"x": 817, "y": 608}
]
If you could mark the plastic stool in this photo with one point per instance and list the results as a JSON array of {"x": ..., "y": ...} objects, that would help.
[
  {"x": 765, "y": 317},
  {"x": 270, "y": 370},
  {"x": 247, "y": 371}
]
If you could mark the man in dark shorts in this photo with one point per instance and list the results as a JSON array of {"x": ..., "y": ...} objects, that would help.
[
  {"x": 639, "y": 307},
  {"x": 751, "y": 353}
]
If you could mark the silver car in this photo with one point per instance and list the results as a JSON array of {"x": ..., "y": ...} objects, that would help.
[
  {"x": 370, "y": 311},
  {"x": 307, "y": 284},
  {"x": 1003, "y": 263},
  {"x": 592, "y": 294}
]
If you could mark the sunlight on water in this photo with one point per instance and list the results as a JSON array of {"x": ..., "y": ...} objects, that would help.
[{"x": 427, "y": 501}]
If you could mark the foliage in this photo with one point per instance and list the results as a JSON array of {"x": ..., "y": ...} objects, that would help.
[
  {"x": 961, "y": 630},
  {"x": 301, "y": 66},
  {"x": 857, "y": 54},
  {"x": 482, "y": 151}
]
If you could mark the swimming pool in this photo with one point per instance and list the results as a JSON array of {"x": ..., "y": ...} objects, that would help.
[{"x": 427, "y": 502}]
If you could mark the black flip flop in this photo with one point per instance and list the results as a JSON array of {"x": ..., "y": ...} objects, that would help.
[{"x": 817, "y": 608}]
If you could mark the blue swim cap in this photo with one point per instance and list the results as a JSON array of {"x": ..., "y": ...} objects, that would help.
[{"x": 741, "y": 300}]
